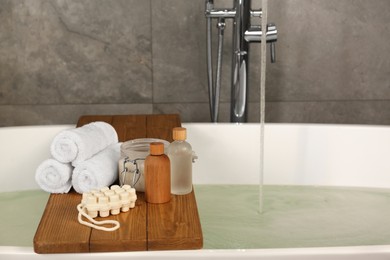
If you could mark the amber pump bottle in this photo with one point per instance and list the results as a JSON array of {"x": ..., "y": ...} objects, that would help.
[{"x": 157, "y": 175}]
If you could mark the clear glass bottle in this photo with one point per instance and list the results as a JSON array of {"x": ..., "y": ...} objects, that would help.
[{"x": 180, "y": 155}]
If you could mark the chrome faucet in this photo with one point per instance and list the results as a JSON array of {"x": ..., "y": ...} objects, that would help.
[{"x": 243, "y": 34}]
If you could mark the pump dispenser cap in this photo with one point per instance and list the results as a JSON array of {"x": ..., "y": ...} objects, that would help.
[
  {"x": 156, "y": 148},
  {"x": 179, "y": 133}
]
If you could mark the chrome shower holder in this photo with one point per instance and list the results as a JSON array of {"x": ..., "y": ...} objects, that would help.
[{"x": 243, "y": 34}]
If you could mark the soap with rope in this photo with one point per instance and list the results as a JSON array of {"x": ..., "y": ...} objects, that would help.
[
  {"x": 109, "y": 200},
  {"x": 103, "y": 202}
]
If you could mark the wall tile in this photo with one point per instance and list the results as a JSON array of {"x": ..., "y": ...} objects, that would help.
[
  {"x": 63, "y": 58},
  {"x": 192, "y": 112},
  {"x": 330, "y": 112},
  {"x": 71, "y": 52},
  {"x": 200, "y": 112},
  {"x": 324, "y": 112},
  {"x": 179, "y": 74},
  {"x": 17, "y": 115},
  {"x": 189, "y": 112},
  {"x": 330, "y": 50}
]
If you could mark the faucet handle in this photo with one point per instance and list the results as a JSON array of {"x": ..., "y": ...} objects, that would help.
[
  {"x": 272, "y": 35},
  {"x": 254, "y": 34}
]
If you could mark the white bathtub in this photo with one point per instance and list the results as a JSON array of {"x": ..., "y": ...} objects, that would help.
[{"x": 326, "y": 155}]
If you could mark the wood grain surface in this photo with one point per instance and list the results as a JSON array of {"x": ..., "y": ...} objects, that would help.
[
  {"x": 170, "y": 226},
  {"x": 59, "y": 231},
  {"x": 174, "y": 225}
]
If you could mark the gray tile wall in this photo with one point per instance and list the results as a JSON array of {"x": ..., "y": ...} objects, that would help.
[{"x": 60, "y": 59}]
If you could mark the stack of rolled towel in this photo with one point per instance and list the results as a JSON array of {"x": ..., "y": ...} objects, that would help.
[{"x": 85, "y": 158}]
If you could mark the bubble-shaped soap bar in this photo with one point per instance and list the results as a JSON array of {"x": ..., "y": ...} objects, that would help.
[{"x": 108, "y": 201}]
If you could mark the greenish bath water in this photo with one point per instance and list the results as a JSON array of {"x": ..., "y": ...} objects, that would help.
[
  {"x": 20, "y": 215},
  {"x": 293, "y": 216}
]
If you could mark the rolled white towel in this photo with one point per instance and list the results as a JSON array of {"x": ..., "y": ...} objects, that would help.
[
  {"x": 53, "y": 176},
  {"x": 79, "y": 144},
  {"x": 99, "y": 171}
]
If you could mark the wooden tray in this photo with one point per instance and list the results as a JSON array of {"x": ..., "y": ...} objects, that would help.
[{"x": 170, "y": 226}]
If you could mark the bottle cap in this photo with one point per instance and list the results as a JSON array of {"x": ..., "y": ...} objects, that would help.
[
  {"x": 156, "y": 148},
  {"x": 179, "y": 133}
]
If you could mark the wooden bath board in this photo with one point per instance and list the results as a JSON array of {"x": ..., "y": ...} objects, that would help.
[{"x": 170, "y": 226}]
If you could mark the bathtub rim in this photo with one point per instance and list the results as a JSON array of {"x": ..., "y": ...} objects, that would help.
[{"x": 349, "y": 252}]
